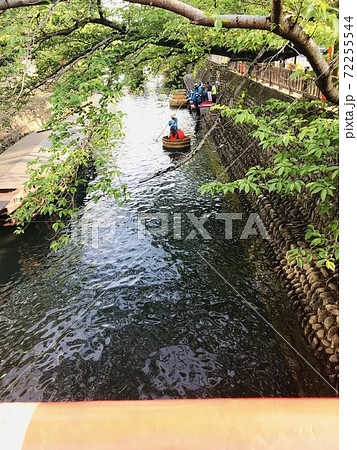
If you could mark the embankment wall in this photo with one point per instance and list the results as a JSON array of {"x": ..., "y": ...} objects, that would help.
[{"x": 313, "y": 291}]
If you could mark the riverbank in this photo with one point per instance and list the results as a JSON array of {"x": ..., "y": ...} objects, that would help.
[
  {"x": 312, "y": 290},
  {"x": 13, "y": 171}
]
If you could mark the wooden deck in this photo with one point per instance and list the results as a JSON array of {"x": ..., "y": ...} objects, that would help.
[{"x": 13, "y": 167}]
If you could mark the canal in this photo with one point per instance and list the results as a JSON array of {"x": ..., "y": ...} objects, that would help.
[{"x": 142, "y": 304}]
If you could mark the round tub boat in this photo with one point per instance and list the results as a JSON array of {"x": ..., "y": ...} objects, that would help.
[
  {"x": 177, "y": 144},
  {"x": 177, "y": 103}
]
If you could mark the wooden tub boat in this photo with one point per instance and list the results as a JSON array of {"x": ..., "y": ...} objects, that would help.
[
  {"x": 177, "y": 144},
  {"x": 179, "y": 93},
  {"x": 177, "y": 103},
  {"x": 178, "y": 99}
]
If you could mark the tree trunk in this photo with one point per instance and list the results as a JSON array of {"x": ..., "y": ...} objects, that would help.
[
  {"x": 9, "y": 4},
  {"x": 308, "y": 47}
]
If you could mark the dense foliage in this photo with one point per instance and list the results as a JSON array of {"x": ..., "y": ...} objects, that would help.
[
  {"x": 79, "y": 48},
  {"x": 85, "y": 70},
  {"x": 303, "y": 139}
]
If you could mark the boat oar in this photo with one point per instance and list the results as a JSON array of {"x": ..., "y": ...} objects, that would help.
[
  {"x": 166, "y": 125},
  {"x": 161, "y": 132}
]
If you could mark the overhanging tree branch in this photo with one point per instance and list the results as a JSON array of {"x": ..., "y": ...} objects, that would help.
[
  {"x": 63, "y": 32},
  {"x": 244, "y": 55},
  {"x": 9, "y": 4},
  {"x": 81, "y": 24},
  {"x": 100, "y": 9},
  {"x": 279, "y": 54},
  {"x": 276, "y": 12},
  {"x": 199, "y": 17},
  {"x": 274, "y": 23},
  {"x": 66, "y": 67}
]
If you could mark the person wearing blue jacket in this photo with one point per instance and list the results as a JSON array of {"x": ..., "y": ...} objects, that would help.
[
  {"x": 198, "y": 95},
  {"x": 173, "y": 124},
  {"x": 200, "y": 91}
]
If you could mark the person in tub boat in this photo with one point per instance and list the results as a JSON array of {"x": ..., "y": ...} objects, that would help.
[{"x": 175, "y": 133}]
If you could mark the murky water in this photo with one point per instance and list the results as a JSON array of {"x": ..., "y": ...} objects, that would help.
[{"x": 129, "y": 313}]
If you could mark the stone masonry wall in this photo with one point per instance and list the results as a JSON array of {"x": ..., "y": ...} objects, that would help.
[{"x": 312, "y": 291}]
